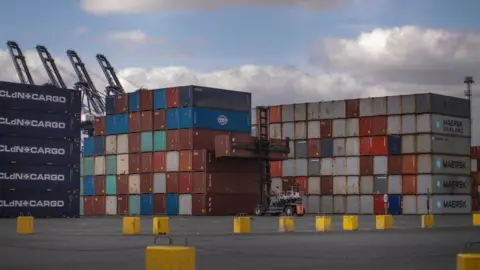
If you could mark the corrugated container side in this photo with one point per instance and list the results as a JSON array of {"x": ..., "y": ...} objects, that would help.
[
  {"x": 408, "y": 104},
  {"x": 313, "y": 129},
  {"x": 380, "y": 165},
  {"x": 100, "y": 165},
  {"x": 443, "y": 164},
  {"x": 394, "y": 125},
  {"x": 339, "y": 147},
  {"x": 339, "y": 204},
  {"x": 185, "y": 205},
  {"x": 443, "y": 184},
  {"x": 379, "y": 105},
  {"x": 134, "y": 205},
  {"x": 328, "y": 110},
  {"x": 134, "y": 101},
  {"x": 438, "y": 144},
  {"x": 134, "y": 184},
  {"x": 159, "y": 99},
  {"x": 340, "y": 166},
  {"x": 434, "y": 103},
  {"x": 451, "y": 204},
  {"x": 394, "y": 105},
  {"x": 366, "y": 204},
  {"x": 409, "y": 184},
  {"x": 352, "y": 107},
  {"x": 301, "y": 149},
  {"x": 352, "y": 127},
  {"x": 146, "y": 207},
  {"x": 314, "y": 185},
  {"x": 422, "y": 204},
  {"x": 338, "y": 128},
  {"x": 314, "y": 167},
  {"x": 159, "y": 119},
  {"x": 353, "y": 204},
  {"x": 326, "y": 167},
  {"x": 275, "y": 114},
  {"x": 440, "y": 124},
  {"x": 408, "y": 144},
  {"x": 409, "y": 205},
  {"x": 111, "y": 165},
  {"x": 288, "y": 113},
  {"x": 314, "y": 150},
  {"x": 326, "y": 205},
  {"x": 365, "y": 126},
  {"x": 300, "y": 112},
  {"x": 111, "y": 206},
  {"x": 366, "y": 185},
  {"x": 300, "y": 130},
  {"x": 366, "y": 107},
  {"x": 123, "y": 164},
  {"x": 313, "y": 111},
  {"x": 301, "y": 167},
  {"x": 313, "y": 204},
  {"x": 395, "y": 204},
  {"x": 394, "y": 143},
  {"x": 172, "y": 164},
  {"x": 172, "y": 97},
  {"x": 353, "y": 185},
  {"x": 122, "y": 144},
  {"x": 159, "y": 183},
  {"x": 121, "y": 105},
  {"x": 288, "y": 130},
  {"x": 339, "y": 185},
  {"x": 275, "y": 131},
  {"x": 146, "y": 100},
  {"x": 204, "y": 118},
  {"x": 326, "y": 185},
  {"x": 352, "y": 147},
  {"x": 409, "y": 124},
  {"x": 394, "y": 184},
  {"x": 111, "y": 145},
  {"x": 207, "y": 97},
  {"x": 380, "y": 184}
]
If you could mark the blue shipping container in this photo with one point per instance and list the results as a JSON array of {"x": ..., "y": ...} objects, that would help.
[
  {"x": 110, "y": 104},
  {"x": 14, "y": 176},
  {"x": 395, "y": 204},
  {"x": 134, "y": 101},
  {"x": 99, "y": 145},
  {"x": 171, "y": 204},
  {"x": 172, "y": 119},
  {"x": 159, "y": 99},
  {"x": 326, "y": 148},
  {"x": 212, "y": 119},
  {"x": 88, "y": 186},
  {"x": 206, "y": 97},
  {"x": 116, "y": 124},
  {"x": 147, "y": 204},
  {"x": 394, "y": 145},
  {"x": 88, "y": 148}
]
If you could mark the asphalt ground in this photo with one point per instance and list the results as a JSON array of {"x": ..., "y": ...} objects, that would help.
[{"x": 96, "y": 243}]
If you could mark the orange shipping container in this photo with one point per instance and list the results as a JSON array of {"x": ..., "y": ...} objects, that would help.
[
  {"x": 379, "y": 145},
  {"x": 409, "y": 184},
  {"x": 365, "y": 126},
  {"x": 395, "y": 165},
  {"x": 99, "y": 126},
  {"x": 276, "y": 169},
  {"x": 275, "y": 114},
  {"x": 302, "y": 183},
  {"x": 409, "y": 164},
  {"x": 379, "y": 125},
  {"x": 366, "y": 146},
  {"x": 185, "y": 160}
]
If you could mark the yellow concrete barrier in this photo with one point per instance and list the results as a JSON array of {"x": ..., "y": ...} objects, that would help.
[
  {"x": 241, "y": 225},
  {"x": 384, "y": 222},
  {"x": 428, "y": 221},
  {"x": 131, "y": 225},
  {"x": 476, "y": 219},
  {"x": 170, "y": 257},
  {"x": 160, "y": 225},
  {"x": 286, "y": 224},
  {"x": 323, "y": 223},
  {"x": 25, "y": 225},
  {"x": 468, "y": 261},
  {"x": 350, "y": 223}
]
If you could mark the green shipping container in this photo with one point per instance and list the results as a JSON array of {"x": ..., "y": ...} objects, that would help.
[
  {"x": 81, "y": 205},
  {"x": 111, "y": 185},
  {"x": 159, "y": 141},
  {"x": 88, "y": 166},
  {"x": 81, "y": 167},
  {"x": 146, "y": 142},
  {"x": 111, "y": 165},
  {"x": 81, "y": 186},
  {"x": 134, "y": 205}
]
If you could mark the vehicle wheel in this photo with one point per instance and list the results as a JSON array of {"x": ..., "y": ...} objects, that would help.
[
  {"x": 289, "y": 211},
  {"x": 259, "y": 211}
]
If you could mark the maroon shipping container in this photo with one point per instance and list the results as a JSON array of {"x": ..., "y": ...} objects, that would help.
[
  {"x": 326, "y": 185},
  {"x": 99, "y": 126},
  {"x": 100, "y": 203},
  {"x": 159, "y": 161},
  {"x": 172, "y": 140},
  {"x": 224, "y": 146},
  {"x": 122, "y": 103},
  {"x": 134, "y": 142},
  {"x": 223, "y": 204},
  {"x": 146, "y": 121},
  {"x": 122, "y": 184},
  {"x": 134, "y": 163},
  {"x": 288, "y": 182},
  {"x": 172, "y": 97},
  {"x": 395, "y": 165},
  {"x": 366, "y": 165},
  {"x": 205, "y": 161},
  {"x": 352, "y": 108},
  {"x": 185, "y": 183},
  {"x": 159, "y": 204},
  {"x": 325, "y": 129},
  {"x": 134, "y": 121},
  {"x": 122, "y": 205},
  {"x": 146, "y": 183},
  {"x": 146, "y": 100},
  {"x": 88, "y": 206},
  {"x": 379, "y": 125},
  {"x": 197, "y": 139},
  {"x": 99, "y": 184},
  {"x": 226, "y": 183},
  {"x": 159, "y": 120},
  {"x": 172, "y": 182},
  {"x": 146, "y": 161},
  {"x": 313, "y": 148},
  {"x": 185, "y": 160}
]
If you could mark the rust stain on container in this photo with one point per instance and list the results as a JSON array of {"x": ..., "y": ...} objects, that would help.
[
  {"x": 366, "y": 165},
  {"x": 326, "y": 185},
  {"x": 121, "y": 105},
  {"x": 146, "y": 162},
  {"x": 99, "y": 126},
  {"x": 185, "y": 183},
  {"x": 146, "y": 183},
  {"x": 100, "y": 204},
  {"x": 365, "y": 126},
  {"x": 146, "y": 121},
  {"x": 122, "y": 205},
  {"x": 88, "y": 206},
  {"x": 134, "y": 163},
  {"x": 159, "y": 204},
  {"x": 409, "y": 164},
  {"x": 206, "y": 161},
  {"x": 172, "y": 182},
  {"x": 379, "y": 125},
  {"x": 223, "y": 204},
  {"x": 159, "y": 161},
  {"x": 134, "y": 122},
  {"x": 122, "y": 184},
  {"x": 395, "y": 165},
  {"x": 276, "y": 169},
  {"x": 134, "y": 142},
  {"x": 99, "y": 184},
  {"x": 352, "y": 108},
  {"x": 172, "y": 97},
  {"x": 185, "y": 160},
  {"x": 302, "y": 183},
  {"x": 225, "y": 182},
  {"x": 313, "y": 148},
  {"x": 325, "y": 129},
  {"x": 146, "y": 100},
  {"x": 409, "y": 184},
  {"x": 172, "y": 140},
  {"x": 274, "y": 114},
  {"x": 159, "y": 120}
]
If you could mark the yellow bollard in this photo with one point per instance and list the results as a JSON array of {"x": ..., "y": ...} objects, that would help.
[
  {"x": 241, "y": 224},
  {"x": 131, "y": 225},
  {"x": 323, "y": 224},
  {"x": 160, "y": 225},
  {"x": 286, "y": 224},
  {"x": 169, "y": 257},
  {"x": 350, "y": 223},
  {"x": 384, "y": 222},
  {"x": 468, "y": 261},
  {"x": 476, "y": 219},
  {"x": 25, "y": 225},
  {"x": 428, "y": 221}
]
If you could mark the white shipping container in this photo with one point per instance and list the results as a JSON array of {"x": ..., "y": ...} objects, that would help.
[
  {"x": 313, "y": 185},
  {"x": 300, "y": 113},
  {"x": 134, "y": 184},
  {"x": 366, "y": 185},
  {"x": 379, "y": 105},
  {"x": 99, "y": 165},
  {"x": 300, "y": 130},
  {"x": 313, "y": 129},
  {"x": 353, "y": 165},
  {"x": 338, "y": 128},
  {"x": 301, "y": 167},
  {"x": 409, "y": 144},
  {"x": 394, "y": 105},
  {"x": 366, "y": 204},
  {"x": 122, "y": 164},
  {"x": 422, "y": 206},
  {"x": 313, "y": 204},
  {"x": 409, "y": 205},
  {"x": 288, "y": 167},
  {"x": 340, "y": 166},
  {"x": 288, "y": 130},
  {"x": 441, "y": 144},
  {"x": 339, "y": 185},
  {"x": 275, "y": 131},
  {"x": 394, "y": 124},
  {"x": 332, "y": 109},
  {"x": 394, "y": 184},
  {"x": 339, "y": 147},
  {"x": 408, "y": 104},
  {"x": 313, "y": 111},
  {"x": 353, "y": 204},
  {"x": 185, "y": 205},
  {"x": 351, "y": 127},
  {"x": 326, "y": 167},
  {"x": 122, "y": 144},
  {"x": 352, "y": 147},
  {"x": 276, "y": 186},
  {"x": 443, "y": 164},
  {"x": 326, "y": 205},
  {"x": 449, "y": 125},
  {"x": 473, "y": 165},
  {"x": 160, "y": 183},
  {"x": 409, "y": 124},
  {"x": 111, "y": 206},
  {"x": 172, "y": 161},
  {"x": 380, "y": 165},
  {"x": 287, "y": 113},
  {"x": 339, "y": 204},
  {"x": 353, "y": 185},
  {"x": 111, "y": 145},
  {"x": 291, "y": 145},
  {"x": 366, "y": 107}
]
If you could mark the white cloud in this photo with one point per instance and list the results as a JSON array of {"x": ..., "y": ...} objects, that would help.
[{"x": 133, "y": 37}]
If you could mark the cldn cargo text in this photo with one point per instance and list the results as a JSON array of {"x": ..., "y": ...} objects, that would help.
[
  {"x": 32, "y": 123},
  {"x": 31, "y": 203},
  {"x": 32, "y": 96},
  {"x": 32, "y": 150},
  {"x": 32, "y": 176}
]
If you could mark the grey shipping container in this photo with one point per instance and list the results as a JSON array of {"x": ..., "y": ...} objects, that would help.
[
  {"x": 441, "y": 124},
  {"x": 301, "y": 149},
  {"x": 408, "y": 104},
  {"x": 40, "y": 125},
  {"x": 451, "y": 204},
  {"x": 313, "y": 166},
  {"x": 300, "y": 112},
  {"x": 287, "y": 113},
  {"x": 366, "y": 204},
  {"x": 301, "y": 167},
  {"x": 353, "y": 204},
  {"x": 446, "y": 105},
  {"x": 39, "y": 98},
  {"x": 443, "y": 184},
  {"x": 39, "y": 151},
  {"x": 206, "y": 97},
  {"x": 443, "y": 164},
  {"x": 326, "y": 204},
  {"x": 380, "y": 184},
  {"x": 440, "y": 144},
  {"x": 313, "y": 204},
  {"x": 339, "y": 204}
]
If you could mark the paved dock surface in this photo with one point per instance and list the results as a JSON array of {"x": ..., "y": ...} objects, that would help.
[{"x": 97, "y": 243}]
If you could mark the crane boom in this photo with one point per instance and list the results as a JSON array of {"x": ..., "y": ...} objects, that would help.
[
  {"x": 50, "y": 66},
  {"x": 20, "y": 64},
  {"x": 114, "y": 86}
]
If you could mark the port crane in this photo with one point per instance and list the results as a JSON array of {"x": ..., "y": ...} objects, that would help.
[
  {"x": 114, "y": 86},
  {"x": 20, "y": 64},
  {"x": 51, "y": 68}
]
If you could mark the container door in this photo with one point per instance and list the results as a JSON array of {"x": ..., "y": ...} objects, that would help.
[
  {"x": 111, "y": 165},
  {"x": 185, "y": 204},
  {"x": 81, "y": 205},
  {"x": 111, "y": 184},
  {"x": 134, "y": 205},
  {"x": 111, "y": 208},
  {"x": 395, "y": 204},
  {"x": 159, "y": 141},
  {"x": 89, "y": 166},
  {"x": 146, "y": 142},
  {"x": 172, "y": 204},
  {"x": 88, "y": 187},
  {"x": 147, "y": 204},
  {"x": 159, "y": 183}
]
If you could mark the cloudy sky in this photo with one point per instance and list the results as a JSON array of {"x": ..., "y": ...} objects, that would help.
[{"x": 283, "y": 51}]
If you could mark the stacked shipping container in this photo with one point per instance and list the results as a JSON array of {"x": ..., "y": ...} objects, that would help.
[
  {"x": 154, "y": 154},
  {"x": 347, "y": 154},
  {"x": 475, "y": 167},
  {"x": 39, "y": 151}
]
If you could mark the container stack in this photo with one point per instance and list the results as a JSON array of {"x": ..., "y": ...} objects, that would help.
[
  {"x": 39, "y": 150},
  {"x": 347, "y": 154},
  {"x": 475, "y": 167},
  {"x": 154, "y": 154}
]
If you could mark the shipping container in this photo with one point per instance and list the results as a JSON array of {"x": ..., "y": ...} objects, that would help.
[
  {"x": 99, "y": 126},
  {"x": 313, "y": 129},
  {"x": 122, "y": 104},
  {"x": 409, "y": 204},
  {"x": 111, "y": 185},
  {"x": 185, "y": 160},
  {"x": 366, "y": 205},
  {"x": 171, "y": 204},
  {"x": 409, "y": 144},
  {"x": 443, "y": 164},
  {"x": 225, "y": 183},
  {"x": 409, "y": 184},
  {"x": 87, "y": 205},
  {"x": 353, "y": 204},
  {"x": 339, "y": 147},
  {"x": 206, "y": 97},
  {"x": 134, "y": 205},
  {"x": 440, "y": 104},
  {"x": 159, "y": 120},
  {"x": 146, "y": 204},
  {"x": 339, "y": 185},
  {"x": 326, "y": 148},
  {"x": 89, "y": 166},
  {"x": 123, "y": 184},
  {"x": 134, "y": 122},
  {"x": 172, "y": 139},
  {"x": 134, "y": 163},
  {"x": 448, "y": 125},
  {"x": 146, "y": 141},
  {"x": 185, "y": 182},
  {"x": 110, "y": 165},
  {"x": 338, "y": 128},
  {"x": 365, "y": 126},
  {"x": 198, "y": 139},
  {"x": 99, "y": 205},
  {"x": 146, "y": 100},
  {"x": 394, "y": 124},
  {"x": 223, "y": 204},
  {"x": 291, "y": 148},
  {"x": 352, "y": 107},
  {"x": 159, "y": 161},
  {"x": 111, "y": 206},
  {"x": 159, "y": 204},
  {"x": 451, "y": 204},
  {"x": 122, "y": 205},
  {"x": 380, "y": 165},
  {"x": 395, "y": 164},
  {"x": 314, "y": 186},
  {"x": 288, "y": 113},
  {"x": 380, "y": 184},
  {"x": 326, "y": 166},
  {"x": 13, "y": 176},
  {"x": 134, "y": 184},
  {"x": 314, "y": 167},
  {"x": 366, "y": 185},
  {"x": 325, "y": 129},
  {"x": 301, "y": 149},
  {"x": 185, "y": 204},
  {"x": 224, "y": 146},
  {"x": 408, "y": 104},
  {"x": 275, "y": 131},
  {"x": 254, "y": 132},
  {"x": 301, "y": 167},
  {"x": 88, "y": 186},
  {"x": 366, "y": 165},
  {"x": 206, "y": 161},
  {"x": 134, "y": 143},
  {"x": 159, "y": 183},
  {"x": 88, "y": 149},
  {"x": 300, "y": 130},
  {"x": 409, "y": 124},
  {"x": 300, "y": 112},
  {"x": 394, "y": 105},
  {"x": 134, "y": 101},
  {"x": 172, "y": 182},
  {"x": 394, "y": 184},
  {"x": 302, "y": 183},
  {"x": 379, "y": 125},
  {"x": 352, "y": 127},
  {"x": 379, "y": 205},
  {"x": 123, "y": 164},
  {"x": 275, "y": 114},
  {"x": 313, "y": 204},
  {"x": 99, "y": 183},
  {"x": 339, "y": 204},
  {"x": 443, "y": 184},
  {"x": 313, "y": 148},
  {"x": 172, "y": 161},
  {"x": 39, "y": 98},
  {"x": 288, "y": 130},
  {"x": 146, "y": 183},
  {"x": 99, "y": 145},
  {"x": 332, "y": 109},
  {"x": 313, "y": 111},
  {"x": 276, "y": 168},
  {"x": 326, "y": 205},
  {"x": 159, "y": 98},
  {"x": 394, "y": 144},
  {"x": 146, "y": 121},
  {"x": 394, "y": 204},
  {"x": 111, "y": 145},
  {"x": 352, "y": 147},
  {"x": 39, "y": 125},
  {"x": 440, "y": 144},
  {"x": 122, "y": 144}
]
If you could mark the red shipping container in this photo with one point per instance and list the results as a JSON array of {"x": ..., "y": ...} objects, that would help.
[
  {"x": 276, "y": 169},
  {"x": 100, "y": 205},
  {"x": 172, "y": 97},
  {"x": 352, "y": 108},
  {"x": 122, "y": 184},
  {"x": 146, "y": 183},
  {"x": 172, "y": 182},
  {"x": 475, "y": 191},
  {"x": 134, "y": 142},
  {"x": 159, "y": 120},
  {"x": 379, "y": 125},
  {"x": 288, "y": 182},
  {"x": 159, "y": 161},
  {"x": 395, "y": 165},
  {"x": 146, "y": 121},
  {"x": 134, "y": 163},
  {"x": 365, "y": 126},
  {"x": 378, "y": 205},
  {"x": 224, "y": 146},
  {"x": 366, "y": 165},
  {"x": 223, "y": 204},
  {"x": 88, "y": 206},
  {"x": 134, "y": 122},
  {"x": 409, "y": 184},
  {"x": 159, "y": 204},
  {"x": 122, "y": 205},
  {"x": 275, "y": 114},
  {"x": 172, "y": 139},
  {"x": 205, "y": 161},
  {"x": 325, "y": 129},
  {"x": 99, "y": 184},
  {"x": 313, "y": 148},
  {"x": 185, "y": 160},
  {"x": 326, "y": 185},
  {"x": 302, "y": 183},
  {"x": 366, "y": 144},
  {"x": 225, "y": 182},
  {"x": 379, "y": 145},
  {"x": 122, "y": 103},
  {"x": 185, "y": 183},
  {"x": 198, "y": 139},
  {"x": 146, "y": 161},
  {"x": 146, "y": 100},
  {"x": 476, "y": 178},
  {"x": 99, "y": 126}
]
